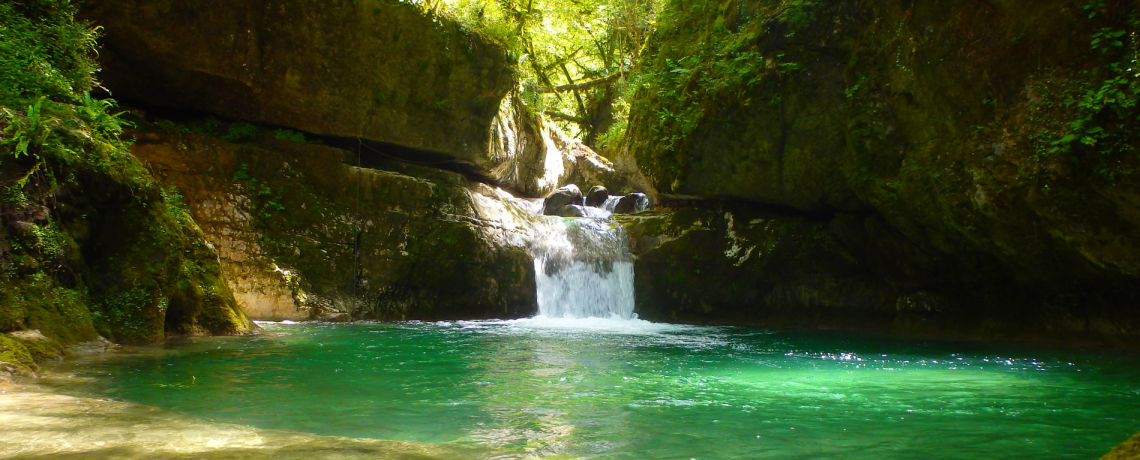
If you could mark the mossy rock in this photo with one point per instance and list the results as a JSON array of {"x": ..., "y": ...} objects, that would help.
[
  {"x": 303, "y": 234},
  {"x": 88, "y": 239},
  {"x": 870, "y": 109},
  {"x": 15, "y": 358},
  {"x": 40, "y": 347}
]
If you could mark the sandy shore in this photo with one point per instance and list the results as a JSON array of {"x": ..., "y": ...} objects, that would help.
[{"x": 38, "y": 424}]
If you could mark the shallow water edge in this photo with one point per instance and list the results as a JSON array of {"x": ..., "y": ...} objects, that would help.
[{"x": 39, "y": 424}]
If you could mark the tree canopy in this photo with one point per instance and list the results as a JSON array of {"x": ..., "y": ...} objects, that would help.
[{"x": 573, "y": 54}]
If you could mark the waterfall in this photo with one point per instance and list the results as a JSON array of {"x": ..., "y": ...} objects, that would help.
[
  {"x": 611, "y": 203},
  {"x": 583, "y": 269}
]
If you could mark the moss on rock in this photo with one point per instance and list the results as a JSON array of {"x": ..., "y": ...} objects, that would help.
[
  {"x": 872, "y": 108},
  {"x": 15, "y": 358},
  {"x": 303, "y": 232},
  {"x": 89, "y": 243}
]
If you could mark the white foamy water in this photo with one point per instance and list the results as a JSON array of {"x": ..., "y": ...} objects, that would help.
[
  {"x": 611, "y": 203},
  {"x": 613, "y": 325},
  {"x": 583, "y": 269}
]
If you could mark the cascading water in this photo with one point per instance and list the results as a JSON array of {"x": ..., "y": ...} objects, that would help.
[
  {"x": 610, "y": 203},
  {"x": 583, "y": 269}
]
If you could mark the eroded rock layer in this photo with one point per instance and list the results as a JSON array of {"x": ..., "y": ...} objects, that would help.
[
  {"x": 302, "y": 232},
  {"x": 377, "y": 69}
]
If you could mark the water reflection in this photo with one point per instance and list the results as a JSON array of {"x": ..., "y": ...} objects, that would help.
[{"x": 539, "y": 388}]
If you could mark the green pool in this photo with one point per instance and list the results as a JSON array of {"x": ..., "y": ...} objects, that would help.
[{"x": 635, "y": 390}]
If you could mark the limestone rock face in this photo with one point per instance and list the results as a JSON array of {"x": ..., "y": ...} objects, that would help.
[
  {"x": 377, "y": 69},
  {"x": 302, "y": 234},
  {"x": 870, "y": 108}
]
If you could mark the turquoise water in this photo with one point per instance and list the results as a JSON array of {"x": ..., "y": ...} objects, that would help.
[{"x": 635, "y": 390}]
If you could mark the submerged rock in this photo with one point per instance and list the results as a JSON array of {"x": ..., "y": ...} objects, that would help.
[
  {"x": 597, "y": 196},
  {"x": 565, "y": 196},
  {"x": 93, "y": 347}
]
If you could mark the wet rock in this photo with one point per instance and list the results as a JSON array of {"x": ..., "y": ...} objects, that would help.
[
  {"x": 597, "y": 196},
  {"x": 632, "y": 204},
  {"x": 94, "y": 347},
  {"x": 570, "y": 210},
  {"x": 338, "y": 318},
  {"x": 536, "y": 156},
  {"x": 567, "y": 195}
]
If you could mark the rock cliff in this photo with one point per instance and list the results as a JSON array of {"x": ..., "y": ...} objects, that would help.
[
  {"x": 303, "y": 232},
  {"x": 959, "y": 151}
]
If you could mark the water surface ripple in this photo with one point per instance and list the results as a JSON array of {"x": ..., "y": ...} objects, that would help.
[{"x": 629, "y": 389}]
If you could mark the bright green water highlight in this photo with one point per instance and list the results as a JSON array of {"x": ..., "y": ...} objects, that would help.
[{"x": 634, "y": 390}]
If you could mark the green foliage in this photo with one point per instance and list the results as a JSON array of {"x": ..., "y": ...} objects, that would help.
[
  {"x": 1094, "y": 125},
  {"x": 45, "y": 52},
  {"x": 266, "y": 200},
  {"x": 66, "y": 151},
  {"x": 797, "y": 13},
  {"x": 46, "y": 110},
  {"x": 287, "y": 135},
  {"x": 125, "y": 312},
  {"x": 238, "y": 132},
  {"x": 177, "y": 207},
  {"x": 854, "y": 89},
  {"x": 27, "y": 134},
  {"x": 565, "y": 42},
  {"x": 99, "y": 116},
  {"x": 720, "y": 68}
]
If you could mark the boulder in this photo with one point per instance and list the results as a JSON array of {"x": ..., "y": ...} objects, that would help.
[
  {"x": 567, "y": 195},
  {"x": 632, "y": 204},
  {"x": 570, "y": 210},
  {"x": 597, "y": 196}
]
